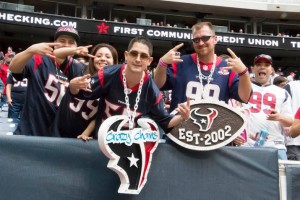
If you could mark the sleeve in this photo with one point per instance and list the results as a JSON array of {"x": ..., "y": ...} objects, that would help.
[
  {"x": 287, "y": 87},
  {"x": 72, "y": 68},
  {"x": 233, "y": 85},
  {"x": 297, "y": 115},
  {"x": 32, "y": 65},
  {"x": 286, "y": 107},
  {"x": 10, "y": 79},
  {"x": 96, "y": 83},
  {"x": 171, "y": 77}
]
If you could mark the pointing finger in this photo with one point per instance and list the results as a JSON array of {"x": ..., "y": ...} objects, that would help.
[
  {"x": 53, "y": 44},
  {"x": 231, "y": 53},
  {"x": 91, "y": 56},
  {"x": 87, "y": 76},
  {"x": 177, "y": 47},
  {"x": 88, "y": 46}
]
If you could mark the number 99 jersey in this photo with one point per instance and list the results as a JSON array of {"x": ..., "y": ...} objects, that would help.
[{"x": 262, "y": 100}]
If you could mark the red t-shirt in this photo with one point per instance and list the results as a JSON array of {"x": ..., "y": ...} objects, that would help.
[{"x": 4, "y": 71}]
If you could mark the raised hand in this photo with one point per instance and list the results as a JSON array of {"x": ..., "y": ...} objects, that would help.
[
  {"x": 43, "y": 49},
  {"x": 83, "y": 50},
  {"x": 80, "y": 83},
  {"x": 184, "y": 109},
  {"x": 173, "y": 55},
  {"x": 234, "y": 63}
]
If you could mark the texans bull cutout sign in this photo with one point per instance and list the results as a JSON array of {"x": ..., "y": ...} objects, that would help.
[
  {"x": 212, "y": 124},
  {"x": 129, "y": 151}
]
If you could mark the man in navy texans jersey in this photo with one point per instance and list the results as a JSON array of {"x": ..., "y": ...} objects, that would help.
[
  {"x": 209, "y": 74},
  {"x": 128, "y": 89},
  {"x": 47, "y": 81},
  {"x": 16, "y": 93}
]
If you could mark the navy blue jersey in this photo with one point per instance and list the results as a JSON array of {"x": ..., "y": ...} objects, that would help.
[
  {"x": 18, "y": 89},
  {"x": 180, "y": 74},
  {"x": 47, "y": 84},
  {"x": 73, "y": 116},
  {"x": 107, "y": 85}
]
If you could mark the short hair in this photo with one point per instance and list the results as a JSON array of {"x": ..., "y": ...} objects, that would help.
[
  {"x": 91, "y": 68},
  {"x": 200, "y": 25},
  {"x": 278, "y": 80},
  {"x": 143, "y": 40}
]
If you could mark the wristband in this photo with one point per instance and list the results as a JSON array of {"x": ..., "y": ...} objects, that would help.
[
  {"x": 244, "y": 72},
  {"x": 162, "y": 63}
]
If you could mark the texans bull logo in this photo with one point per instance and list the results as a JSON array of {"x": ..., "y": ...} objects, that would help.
[
  {"x": 212, "y": 124},
  {"x": 129, "y": 151},
  {"x": 203, "y": 121}
]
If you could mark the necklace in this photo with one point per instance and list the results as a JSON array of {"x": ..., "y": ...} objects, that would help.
[
  {"x": 209, "y": 77},
  {"x": 132, "y": 115}
]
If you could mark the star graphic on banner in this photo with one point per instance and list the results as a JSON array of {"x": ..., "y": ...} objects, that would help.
[
  {"x": 133, "y": 160},
  {"x": 102, "y": 28},
  {"x": 203, "y": 121}
]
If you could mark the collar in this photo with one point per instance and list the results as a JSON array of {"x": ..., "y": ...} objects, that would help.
[{"x": 205, "y": 66}]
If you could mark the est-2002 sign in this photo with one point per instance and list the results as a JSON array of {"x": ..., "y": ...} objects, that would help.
[{"x": 212, "y": 124}]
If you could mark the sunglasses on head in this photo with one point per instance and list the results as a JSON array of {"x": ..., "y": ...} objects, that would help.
[
  {"x": 203, "y": 38},
  {"x": 135, "y": 54}
]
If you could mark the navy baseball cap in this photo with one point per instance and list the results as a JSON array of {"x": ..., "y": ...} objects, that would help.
[
  {"x": 263, "y": 57},
  {"x": 67, "y": 30}
]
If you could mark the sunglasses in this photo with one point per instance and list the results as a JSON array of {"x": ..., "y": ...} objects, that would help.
[
  {"x": 203, "y": 38},
  {"x": 135, "y": 54}
]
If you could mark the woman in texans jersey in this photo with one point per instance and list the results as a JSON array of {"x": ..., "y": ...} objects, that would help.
[
  {"x": 127, "y": 89},
  {"x": 75, "y": 117},
  {"x": 270, "y": 106},
  {"x": 47, "y": 82}
]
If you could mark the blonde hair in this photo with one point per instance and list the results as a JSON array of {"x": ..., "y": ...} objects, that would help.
[{"x": 200, "y": 25}]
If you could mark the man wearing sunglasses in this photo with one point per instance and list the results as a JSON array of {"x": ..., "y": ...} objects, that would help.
[{"x": 217, "y": 78}]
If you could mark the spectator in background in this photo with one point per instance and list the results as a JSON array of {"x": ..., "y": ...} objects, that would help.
[
  {"x": 1, "y": 88},
  {"x": 295, "y": 128},
  {"x": 291, "y": 76},
  {"x": 47, "y": 81},
  {"x": 4, "y": 70},
  {"x": 16, "y": 93},
  {"x": 279, "y": 71},
  {"x": 82, "y": 60},
  {"x": 280, "y": 81},
  {"x": 293, "y": 144},
  {"x": 273, "y": 75},
  {"x": 10, "y": 50}
]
